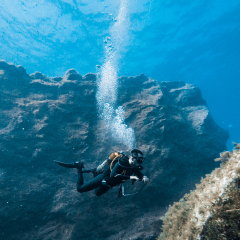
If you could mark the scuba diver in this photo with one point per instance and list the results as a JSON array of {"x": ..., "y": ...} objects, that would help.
[{"x": 115, "y": 170}]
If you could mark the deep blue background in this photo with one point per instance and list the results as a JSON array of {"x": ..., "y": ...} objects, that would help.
[{"x": 193, "y": 41}]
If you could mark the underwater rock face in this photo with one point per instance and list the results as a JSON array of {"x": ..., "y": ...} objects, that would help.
[
  {"x": 212, "y": 209},
  {"x": 45, "y": 119}
]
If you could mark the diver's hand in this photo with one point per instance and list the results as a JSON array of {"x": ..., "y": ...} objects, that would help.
[
  {"x": 145, "y": 179},
  {"x": 134, "y": 178}
]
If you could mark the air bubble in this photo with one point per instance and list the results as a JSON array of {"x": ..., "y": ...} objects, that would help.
[{"x": 107, "y": 93}]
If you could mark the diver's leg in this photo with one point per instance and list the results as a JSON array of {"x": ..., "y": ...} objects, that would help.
[
  {"x": 101, "y": 190},
  {"x": 90, "y": 185},
  {"x": 80, "y": 180}
]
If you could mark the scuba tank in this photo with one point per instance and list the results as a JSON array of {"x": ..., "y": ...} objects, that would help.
[{"x": 106, "y": 167}]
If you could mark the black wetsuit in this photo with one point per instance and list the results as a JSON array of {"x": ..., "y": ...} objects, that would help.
[{"x": 120, "y": 173}]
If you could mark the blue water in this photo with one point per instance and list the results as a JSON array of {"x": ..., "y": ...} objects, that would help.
[{"x": 193, "y": 41}]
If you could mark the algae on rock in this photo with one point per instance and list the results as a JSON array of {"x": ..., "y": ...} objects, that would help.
[{"x": 212, "y": 211}]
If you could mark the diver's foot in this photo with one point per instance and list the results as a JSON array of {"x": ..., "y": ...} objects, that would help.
[{"x": 78, "y": 165}]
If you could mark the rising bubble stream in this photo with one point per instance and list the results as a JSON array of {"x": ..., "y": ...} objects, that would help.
[{"x": 112, "y": 115}]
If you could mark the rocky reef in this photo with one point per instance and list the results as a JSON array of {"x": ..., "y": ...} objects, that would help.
[
  {"x": 212, "y": 211},
  {"x": 45, "y": 119}
]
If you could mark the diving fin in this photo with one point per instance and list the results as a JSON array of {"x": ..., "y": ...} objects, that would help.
[
  {"x": 70, "y": 165},
  {"x": 77, "y": 165}
]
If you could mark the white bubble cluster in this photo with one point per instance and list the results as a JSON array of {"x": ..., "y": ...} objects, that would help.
[
  {"x": 114, "y": 121},
  {"x": 107, "y": 81},
  {"x": 107, "y": 85}
]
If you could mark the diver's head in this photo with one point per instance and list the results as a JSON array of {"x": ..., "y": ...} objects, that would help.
[{"x": 136, "y": 157}]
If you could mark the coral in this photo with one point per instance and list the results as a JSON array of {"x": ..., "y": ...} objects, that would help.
[
  {"x": 236, "y": 145},
  {"x": 224, "y": 220},
  {"x": 224, "y": 156},
  {"x": 212, "y": 209}
]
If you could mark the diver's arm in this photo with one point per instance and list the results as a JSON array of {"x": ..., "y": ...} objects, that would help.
[
  {"x": 115, "y": 173},
  {"x": 141, "y": 177},
  {"x": 138, "y": 173}
]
